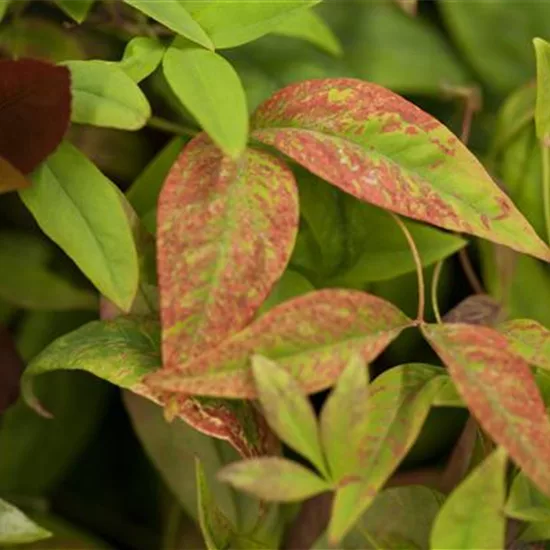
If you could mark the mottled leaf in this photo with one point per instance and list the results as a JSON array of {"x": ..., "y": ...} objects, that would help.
[
  {"x": 144, "y": 191},
  {"x": 69, "y": 198},
  {"x": 499, "y": 389},
  {"x": 526, "y": 502},
  {"x": 399, "y": 403},
  {"x": 77, "y": 9},
  {"x": 382, "y": 149},
  {"x": 345, "y": 407},
  {"x": 215, "y": 527},
  {"x": 312, "y": 336},
  {"x": 209, "y": 87},
  {"x": 400, "y": 517},
  {"x": 528, "y": 339},
  {"x": 472, "y": 515},
  {"x": 308, "y": 25},
  {"x": 287, "y": 410},
  {"x": 174, "y": 16},
  {"x": 479, "y": 309},
  {"x": 231, "y": 24},
  {"x": 104, "y": 95},
  {"x": 273, "y": 479},
  {"x": 11, "y": 178},
  {"x": 17, "y": 528},
  {"x": 27, "y": 281},
  {"x": 142, "y": 56},
  {"x": 225, "y": 233},
  {"x": 35, "y": 99}
]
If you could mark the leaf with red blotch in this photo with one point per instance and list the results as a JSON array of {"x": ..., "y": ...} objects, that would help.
[
  {"x": 11, "y": 369},
  {"x": 500, "y": 391},
  {"x": 380, "y": 148},
  {"x": 35, "y": 105},
  {"x": 528, "y": 339},
  {"x": 226, "y": 230},
  {"x": 312, "y": 336},
  {"x": 11, "y": 178}
]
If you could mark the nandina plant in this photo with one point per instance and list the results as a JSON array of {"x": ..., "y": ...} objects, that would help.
[{"x": 308, "y": 242}]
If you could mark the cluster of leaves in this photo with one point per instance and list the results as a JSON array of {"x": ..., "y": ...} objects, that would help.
[{"x": 257, "y": 260}]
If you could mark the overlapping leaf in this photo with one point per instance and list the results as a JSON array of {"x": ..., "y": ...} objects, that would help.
[
  {"x": 528, "y": 339},
  {"x": 141, "y": 57},
  {"x": 225, "y": 233},
  {"x": 525, "y": 502},
  {"x": 312, "y": 336},
  {"x": 35, "y": 100},
  {"x": 398, "y": 404},
  {"x": 499, "y": 389},
  {"x": 382, "y": 149}
]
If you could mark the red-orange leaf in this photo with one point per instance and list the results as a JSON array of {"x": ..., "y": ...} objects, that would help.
[
  {"x": 384, "y": 150},
  {"x": 313, "y": 336},
  {"x": 499, "y": 389},
  {"x": 35, "y": 104},
  {"x": 225, "y": 233}
]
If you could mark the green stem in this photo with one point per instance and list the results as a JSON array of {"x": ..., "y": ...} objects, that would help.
[
  {"x": 435, "y": 284},
  {"x": 418, "y": 264},
  {"x": 545, "y": 153},
  {"x": 171, "y": 127}
]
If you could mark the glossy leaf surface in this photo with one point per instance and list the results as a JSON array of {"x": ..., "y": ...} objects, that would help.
[
  {"x": 476, "y": 504},
  {"x": 104, "y": 95},
  {"x": 273, "y": 479},
  {"x": 34, "y": 116},
  {"x": 312, "y": 336},
  {"x": 209, "y": 87},
  {"x": 500, "y": 391},
  {"x": 225, "y": 233},
  {"x": 287, "y": 410},
  {"x": 174, "y": 16},
  {"x": 382, "y": 149},
  {"x": 68, "y": 199}
]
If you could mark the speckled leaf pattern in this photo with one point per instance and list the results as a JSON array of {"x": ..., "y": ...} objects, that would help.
[
  {"x": 472, "y": 515},
  {"x": 274, "y": 479},
  {"x": 499, "y": 389},
  {"x": 398, "y": 404},
  {"x": 528, "y": 339},
  {"x": 384, "y": 150},
  {"x": 225, "y": 233},
  {"x": 312, "y": 336}
]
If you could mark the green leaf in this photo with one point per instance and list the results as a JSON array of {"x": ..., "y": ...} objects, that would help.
[
  {"x": 122, "y": 351},
  {"x": 345, "y": 407},
  {"x": 69, "y": 199},
  {"x": 388, "y": 255},
  {"x": 408, "y": 55},
  {"x": 273, "y": 479},
  {"x": 216, "y": 529},
  {"x": 388, "y": 152},
  {"x": 174, "y": 16},
  {"x": 542, "y": 117},
  {"x": 225, "y": 234},
  {"x": 504, "y": 61},
  {"x": 535, "y": 532},
  {"x": 209, "y": 87},
  {"x": 77, "y": 9},
  {"x": 141, "y": 57},
  {"x": 104, "y": 95},
  {"x": 231, "y": 24},
  {"x": 17, "y": 528},
  {"x": 400, "y": 517},
  {"x": 528, "y": 339},
  {"x": 287, "y": 411},
  {"x": 26, "y": 280},
  {"x": 472, "y": 515},
  {"x": 493, "y": 380},
  {"x": 308, "y": 25},
  {"x": 290, "y": 285},
  {"x": 399, "y": 403},
  {"x": 144, "y": 191},
  {"x": 4, "y": 4},
  {"x": 526, "y": 502},
  {"x": 312, "y": 336}
]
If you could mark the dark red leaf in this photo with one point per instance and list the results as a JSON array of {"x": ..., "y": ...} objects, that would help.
[{"x": 35, "y": 107}]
